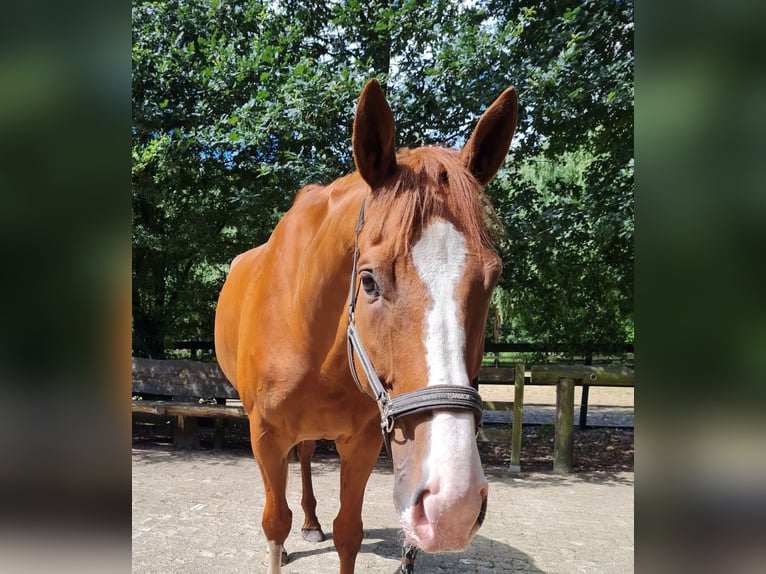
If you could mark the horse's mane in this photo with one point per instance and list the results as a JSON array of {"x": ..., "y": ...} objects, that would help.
[{"x": 433, "y": 182}]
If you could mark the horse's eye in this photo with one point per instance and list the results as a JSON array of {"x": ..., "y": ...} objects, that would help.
[{"x": 369, "y": 285}]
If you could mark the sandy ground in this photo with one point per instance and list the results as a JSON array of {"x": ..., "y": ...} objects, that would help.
[{"x": 199, "y": 512}]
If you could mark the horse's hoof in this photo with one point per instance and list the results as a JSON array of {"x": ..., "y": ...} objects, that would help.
[
  {"x": 283, "y": 560},
  {"x": 313, "y": 535}
]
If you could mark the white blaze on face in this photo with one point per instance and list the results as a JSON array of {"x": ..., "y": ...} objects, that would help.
[
  {"x": 439, "y": 258},
  {"x": 453, "y": 477}
]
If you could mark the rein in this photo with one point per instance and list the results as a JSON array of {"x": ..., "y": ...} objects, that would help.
[{"x": 392, "y": 408}]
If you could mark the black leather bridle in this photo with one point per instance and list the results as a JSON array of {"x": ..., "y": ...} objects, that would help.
[{"x": 392, "y": 408}]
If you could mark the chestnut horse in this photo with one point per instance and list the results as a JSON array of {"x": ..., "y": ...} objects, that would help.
[{"x": 375, "y": 286}]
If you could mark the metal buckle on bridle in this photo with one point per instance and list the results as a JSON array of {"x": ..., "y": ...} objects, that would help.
[{"x": 448, "y": 397}]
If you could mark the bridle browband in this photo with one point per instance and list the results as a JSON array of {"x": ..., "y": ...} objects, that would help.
[{"x": 451, "y": 397}]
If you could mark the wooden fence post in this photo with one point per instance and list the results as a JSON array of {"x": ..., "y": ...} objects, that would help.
[
  {"x": 517, "y": 422},
  {"x": 584, "y": 396},
  {"x": 186, "y": 433},
  {"x": 584, "y": 406},
  {"x": 564, "y": 434}
]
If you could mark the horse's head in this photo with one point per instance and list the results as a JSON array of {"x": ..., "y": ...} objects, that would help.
[{"x": 425, "y": 273}]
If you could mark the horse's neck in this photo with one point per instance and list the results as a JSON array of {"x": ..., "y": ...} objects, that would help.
[{"x": 322, "y": 270}]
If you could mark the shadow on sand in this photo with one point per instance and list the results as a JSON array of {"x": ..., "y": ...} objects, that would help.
[{"x": 483, "y": 553}]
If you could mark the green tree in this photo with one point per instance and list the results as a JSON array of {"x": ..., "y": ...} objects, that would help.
[
  {"x": 237, "y": 105},
  {"x": 227, "y": 125},
  {"x": 566, "y": 196}
]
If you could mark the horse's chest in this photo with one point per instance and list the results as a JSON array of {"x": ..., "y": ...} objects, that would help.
[{"x": 310, "y": 408}]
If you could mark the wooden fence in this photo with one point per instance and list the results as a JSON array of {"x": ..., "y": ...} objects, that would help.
[{"x": 564, "y": 376}]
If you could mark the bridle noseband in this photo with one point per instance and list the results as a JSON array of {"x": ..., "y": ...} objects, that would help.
[{"x": 451, "y": 397}]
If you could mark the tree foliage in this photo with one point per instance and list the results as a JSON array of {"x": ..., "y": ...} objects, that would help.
[
  {"x": 236, "y": 105},
  {"x": 567, "y": 199}
]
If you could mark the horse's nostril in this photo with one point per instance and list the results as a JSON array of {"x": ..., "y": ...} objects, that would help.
[
  {"x": 482, "y": 512},
  {"x": 419, "y": 516},
  {"x": 417, "y": 498}
]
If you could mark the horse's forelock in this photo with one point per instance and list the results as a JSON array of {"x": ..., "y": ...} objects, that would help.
[{"x": 432, "y": 182}]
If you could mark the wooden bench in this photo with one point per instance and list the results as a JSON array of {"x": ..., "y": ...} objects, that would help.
[{"x": 185, "y": 390}]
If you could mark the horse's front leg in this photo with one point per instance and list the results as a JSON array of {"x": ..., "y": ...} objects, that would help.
[
  {"x": 358, "y": 455},
  {"x": 271, "y": 452},
  {"x": 311, "y": 530}
]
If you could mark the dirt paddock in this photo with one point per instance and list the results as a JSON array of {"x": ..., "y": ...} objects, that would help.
[{"x": 200, "y": 512}]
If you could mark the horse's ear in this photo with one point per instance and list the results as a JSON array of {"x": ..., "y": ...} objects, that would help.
[
  {"x": 486, "y": 150},
  {"x": 373, "y": 137}
]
